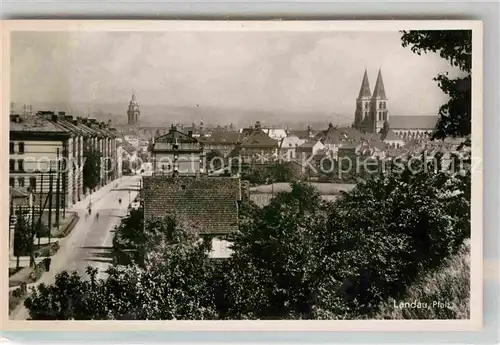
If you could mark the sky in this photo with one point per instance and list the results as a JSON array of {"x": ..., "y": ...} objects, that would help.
[{"x": 284, "y": 72}]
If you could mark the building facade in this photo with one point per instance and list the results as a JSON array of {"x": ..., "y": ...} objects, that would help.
[
  {"x": 372, "y": 112},
  {"x": 177, "y": 153}
]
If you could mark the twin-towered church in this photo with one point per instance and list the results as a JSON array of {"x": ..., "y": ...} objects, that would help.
[{"x": 372, "y": 111}]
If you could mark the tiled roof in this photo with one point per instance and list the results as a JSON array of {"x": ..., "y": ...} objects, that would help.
[
  {"x": 392, "y": 136},
  {"x": 36, "y": 124},
  {"x": 413, "y": 122},
  {"x": 223, "y": 138},
  {"x": 258, "y": 139},
  {"x": 308, "y": 145},
  {"x": 210, "y": 202}
]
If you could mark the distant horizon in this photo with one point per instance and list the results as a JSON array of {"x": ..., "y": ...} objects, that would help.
[
  {"x": 76, "y": 109},
  {"x": 193, "y": 76}
]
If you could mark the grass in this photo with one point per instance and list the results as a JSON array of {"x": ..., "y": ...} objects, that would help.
[
  {"x": 323, "y": 188},
  {"x": 446, "y": 292}
]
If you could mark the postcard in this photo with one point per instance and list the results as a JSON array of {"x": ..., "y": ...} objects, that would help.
[{"x": 242, "y": 175}]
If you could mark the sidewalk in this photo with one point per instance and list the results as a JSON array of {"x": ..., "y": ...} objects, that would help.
[{"x": 95, "y": 196}]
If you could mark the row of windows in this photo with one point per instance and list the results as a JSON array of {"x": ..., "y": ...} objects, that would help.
[
  {"x": 12, "y": 147},
  {"x": 382, "y": 105},
  {"x": 12, "y": 165}
]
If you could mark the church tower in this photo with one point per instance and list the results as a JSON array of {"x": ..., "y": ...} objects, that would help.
[
  {"x": 378, "y": 105},
  {"x": 133, "y": 111},
  {"x": 363, "y": 102}
]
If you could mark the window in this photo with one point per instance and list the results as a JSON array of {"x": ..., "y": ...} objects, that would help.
[
  {"x": 21, "y": 181},
  {"x": 12, "y": 182},
  {"x": 21, "y": 165},
  {"x": 12, "y": 165},
  {"x": 33, "y": 183},
  {"x": 11, "y": 147},
  {"x": 21, "y": 147}
]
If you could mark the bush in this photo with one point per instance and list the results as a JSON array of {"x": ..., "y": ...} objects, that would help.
[
  {"x": 38, "y": 270},
  {"x": 446, "y": 291}
]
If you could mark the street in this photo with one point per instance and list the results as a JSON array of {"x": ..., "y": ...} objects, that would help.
[{"x": 90, "y": 242}]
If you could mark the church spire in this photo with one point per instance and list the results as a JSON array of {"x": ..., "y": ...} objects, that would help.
[
  {"x": 364, "y": 91},
  {"x": 379, "y": 91}
]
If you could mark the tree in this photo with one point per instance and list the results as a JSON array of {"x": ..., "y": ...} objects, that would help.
[
  {"x": 415, "y": 220},
  {"x": 91, "y": 168},
  {"x": 272, "y": 273},
  {"x": 456, "y": 47},
  {"x": 23, "y": 237},
  {"x": 174, "y": 282}
]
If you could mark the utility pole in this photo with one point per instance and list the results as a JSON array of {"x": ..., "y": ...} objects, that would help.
[
  {"x": 32, "y": 235},
  {"x": 51, "y": 181},
  {"x": 41, "y": 208},
  {"x": 58, "y": 196}
]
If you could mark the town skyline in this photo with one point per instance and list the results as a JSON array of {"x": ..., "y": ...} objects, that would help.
[{"x": 319, "y": 74}]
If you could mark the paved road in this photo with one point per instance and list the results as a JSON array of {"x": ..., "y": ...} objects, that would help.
[{"x": 89, "y": 244}]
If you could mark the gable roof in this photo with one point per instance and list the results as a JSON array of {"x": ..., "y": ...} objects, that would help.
[
  {"x": 258, "y": 139},
  {"x": 223, "y": 138},
  {"x": 392, "y": 136},
  {"x": 413, "y": 122},
  {"x": 210, "y": 202},
  {"x": 175, "y": 136}
]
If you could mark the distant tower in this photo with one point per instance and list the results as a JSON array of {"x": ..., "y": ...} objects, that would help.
[
  {"x": 133, "y": 111},
  {"x": 378, "y": 106},
  {"x": 363, "y": 102}
]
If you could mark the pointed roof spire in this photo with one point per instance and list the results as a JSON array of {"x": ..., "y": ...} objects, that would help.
[
  {"x": 379, "y": 91},
  {"x": 133, "y": 96},
  {"x": 364, "y": 91}
]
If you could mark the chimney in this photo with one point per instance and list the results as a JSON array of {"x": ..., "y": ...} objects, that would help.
[
  {"x": 69, "y": 118},
  {"x": 309, "y": 131},
  {"x": 54, "y": 118},
  {"x": 190, "y": 133},
  {"x": 25, "y": 110},
  {"x": 257, "y": 125}
]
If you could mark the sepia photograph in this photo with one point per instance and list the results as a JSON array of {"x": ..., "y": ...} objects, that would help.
[{"x": 246, "y": 173}]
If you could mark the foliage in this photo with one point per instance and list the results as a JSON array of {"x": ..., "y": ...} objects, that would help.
[
  {"x": 277, "y": 172},
  {"x": 174, "y": 282},
  {"x": 431, "y": 220},
  {"x": 214, "y": 159},
  {"x": 446, "y": 291},
  {"x": 23, "y": 237},
  {"x": 91, "y": 168},
  {"x": 272, "y": 273},
  {"x": 299, "y": 257},
  {"x": 456, "y": 47}
]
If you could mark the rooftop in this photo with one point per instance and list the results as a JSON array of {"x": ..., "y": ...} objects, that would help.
[{"x": 210, "y": 202}]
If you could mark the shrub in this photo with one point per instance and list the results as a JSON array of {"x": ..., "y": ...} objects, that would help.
[{"x": 446, "y": 291}]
